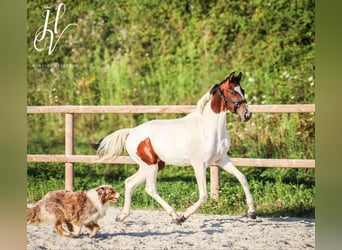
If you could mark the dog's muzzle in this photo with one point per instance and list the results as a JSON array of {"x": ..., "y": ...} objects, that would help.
[{"x": 116, "y": 197}]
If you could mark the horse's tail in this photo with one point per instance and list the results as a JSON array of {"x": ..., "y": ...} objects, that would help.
[
  {"x": 112, "y": 145},
  {"x": 32, "y": 215}
]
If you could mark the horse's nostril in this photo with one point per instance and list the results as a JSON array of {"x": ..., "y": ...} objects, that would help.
[{"x": 248, "y": 116}]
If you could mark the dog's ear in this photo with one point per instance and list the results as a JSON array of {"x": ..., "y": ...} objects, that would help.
[{"x": 101, "y": 191}]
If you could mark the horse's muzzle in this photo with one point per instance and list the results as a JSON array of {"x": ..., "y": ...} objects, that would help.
[{"x": 248, "y": 116}]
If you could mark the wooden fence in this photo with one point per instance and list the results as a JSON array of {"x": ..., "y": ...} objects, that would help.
[{"x": 69, "y": 158}]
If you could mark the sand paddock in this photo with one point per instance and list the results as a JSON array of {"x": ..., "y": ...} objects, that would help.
[{"x": 147, "y": 229}]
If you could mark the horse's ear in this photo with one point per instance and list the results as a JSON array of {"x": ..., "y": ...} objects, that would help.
[
  {"x": 231, "y": 76},
  {"x": 239, "y": 76}
]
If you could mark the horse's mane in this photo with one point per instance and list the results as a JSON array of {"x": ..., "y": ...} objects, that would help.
[{"x": 203, "y": 102}]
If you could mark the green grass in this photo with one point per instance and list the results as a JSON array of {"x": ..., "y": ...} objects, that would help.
[{"x": 177, "y": 185}]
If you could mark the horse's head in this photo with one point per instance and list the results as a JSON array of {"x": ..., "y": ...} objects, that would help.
[{"x": 228, "y": 95}]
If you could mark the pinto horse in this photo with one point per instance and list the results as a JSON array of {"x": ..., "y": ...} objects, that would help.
[{"x": 199, "y": 139}]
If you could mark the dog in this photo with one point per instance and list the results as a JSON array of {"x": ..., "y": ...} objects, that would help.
[{"x": 75, "y": 209}]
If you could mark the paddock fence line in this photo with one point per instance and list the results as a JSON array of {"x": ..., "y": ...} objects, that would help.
[{"x": 69, "y": 158}]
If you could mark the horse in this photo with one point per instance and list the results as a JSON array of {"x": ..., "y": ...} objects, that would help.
[{"x": 198, "y": 139}]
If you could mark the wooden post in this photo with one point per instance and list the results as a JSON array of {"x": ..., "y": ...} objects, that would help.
[
  {"x": 69, "y": 150},
  {"x": 214, "y": 182}
]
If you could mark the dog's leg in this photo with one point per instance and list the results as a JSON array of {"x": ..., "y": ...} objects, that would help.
[
  {"x": 70, "y": 226},
  {"x": 60, "y": 230},
  {"x": 77, "y": 226},
  {"x": 60, "y": 218},
  {"x": 89, "y": 226},
  {"x": 93, "y": 227}
]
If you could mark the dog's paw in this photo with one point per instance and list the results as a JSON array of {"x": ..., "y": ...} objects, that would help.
[
  {"x": 92, "y": 234},
  {"x": 67, "y": 234},
  {"x": 76, "y": 235}
]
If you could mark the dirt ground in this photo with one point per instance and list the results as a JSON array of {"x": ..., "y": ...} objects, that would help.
[{"x": 147, "y": 229}]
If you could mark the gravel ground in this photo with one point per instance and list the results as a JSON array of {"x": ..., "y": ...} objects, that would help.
[{"x": 150, "y": 229}]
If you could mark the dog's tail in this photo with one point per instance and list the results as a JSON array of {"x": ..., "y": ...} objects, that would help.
[
  {"x": 111, "y": 146},
  {"x": 32, "y": 215}
]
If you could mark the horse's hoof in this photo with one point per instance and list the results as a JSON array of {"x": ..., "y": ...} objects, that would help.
[
  {"x": 182, "y": 219},
  {"x": 252, "y": 215},
  {"x": 176, "y": 221},
  {"x": 118, "y": 219},
  {"x": 179, "y": 221}
]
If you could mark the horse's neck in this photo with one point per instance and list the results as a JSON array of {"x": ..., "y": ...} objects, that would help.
[{"x": 213, "y": 121}]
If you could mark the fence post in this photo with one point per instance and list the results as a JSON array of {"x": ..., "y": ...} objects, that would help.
[
  {"x": 214, "y": 182},
  {"x": 69, "y": 150}
]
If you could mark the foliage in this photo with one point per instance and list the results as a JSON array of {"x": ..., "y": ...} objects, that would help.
[{"x": 172, "y": 52}]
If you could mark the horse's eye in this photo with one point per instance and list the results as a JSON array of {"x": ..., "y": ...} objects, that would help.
[{"x": 232, "y": 92}]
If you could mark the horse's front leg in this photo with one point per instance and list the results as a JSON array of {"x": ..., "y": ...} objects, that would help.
[
  {"x": 200, "y": 173},
  {"x": 227, "y": 165}
]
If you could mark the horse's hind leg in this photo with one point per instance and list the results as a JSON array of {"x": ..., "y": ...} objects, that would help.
[
  {"x": 130, "y": 184},
  {"x": 151, "y": 189},
  {"x": 227, "y": 165}
]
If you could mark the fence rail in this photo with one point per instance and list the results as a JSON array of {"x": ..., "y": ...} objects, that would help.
[
  {"x": 247, "y": 162},
  {"x": 161, "y": 109},
  {"x": 69, "y": 158}
]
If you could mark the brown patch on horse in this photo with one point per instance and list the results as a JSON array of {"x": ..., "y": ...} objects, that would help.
[
  {"x": 217, "y": 104},
  {"x": 146, "y": 152}
]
